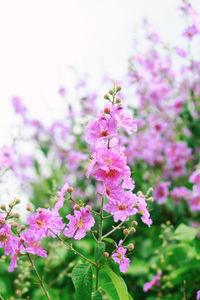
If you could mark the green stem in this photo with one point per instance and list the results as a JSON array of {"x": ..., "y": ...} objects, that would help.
[
  {"x": 100, "y": 237},
  {"x": 115, "y": 228},
  {"x": 71, "y": 248},
  {"x": 38, "y": 276}
]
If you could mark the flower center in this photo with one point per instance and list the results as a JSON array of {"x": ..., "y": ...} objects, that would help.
[
  {"x": 108, "y": 161},
  {"x": 103, "y": 133},
  {"x": 122, "y": 206},
  {"x": 197, "y": 200},
  {"x": 80, "y": 223},
  {"x": 112, "y": 173},
  {"x": 40, "y": 223}
]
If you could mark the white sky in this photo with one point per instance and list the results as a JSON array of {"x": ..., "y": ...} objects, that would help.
[{"x": 39, "y": 39}]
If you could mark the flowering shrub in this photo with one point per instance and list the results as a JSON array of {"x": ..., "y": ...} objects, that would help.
[{"x": 110, "y": 167}]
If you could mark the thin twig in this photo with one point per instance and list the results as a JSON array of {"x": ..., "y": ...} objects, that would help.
[
  {"x": 38, "y": 276},
  {"x": 115, "y": 228},
  {"x": 71, "y": 248}
]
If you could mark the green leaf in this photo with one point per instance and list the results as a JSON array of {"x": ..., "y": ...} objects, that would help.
[
  {"x": 108, "y": 240},
  {"x": 113, "y": 285},
  {"x": 99, "y": 251},
  {"x": 185, "y": 233},
  {"x": 82, "y": 280},
  {"x": 97, "y": 295}
]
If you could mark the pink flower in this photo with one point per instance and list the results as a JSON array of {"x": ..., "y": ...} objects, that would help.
[
  {"x": 109, "y": 165},
  {"x": 81, "y": 222},
  {"x": 100, "y": 128},
  {"x": 126, "y": 121},
  {"x": 120, "y": 258},
  {"x": 18, "y": 106},
  {"x": 195, "y": 179},
  {"x": 142, "y": 208},
  {"x": 161, "y": 192},
  {"x": 155, "y": 281},
  {"x": 191, "y": 31},
  {"x": 74, "y": 158},
  {"x": 15, "y": 248},
  {"x": 61, "y": 199},
  {"x": 195, "y": 203},
  {"x": 122, "y": 206},
  {"x": 32, "y": 244},
  {"x": 181, "y": 192},
  {"x": 45, "y": 223},
  {"x": 62, "y": 91},
  {"x": 7, "y": 157},
  {"x": 198, "y": 295}
]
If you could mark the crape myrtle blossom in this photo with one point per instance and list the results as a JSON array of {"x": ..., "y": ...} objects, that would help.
[
  {"x": 11, "y": 243},
  {"x": 155, "y": 281},
  {"x": 198, "y": 295},
  {"x": 31, "y": 243},
  {"x": 81, "y": 222},
  {"x": 46, "y": 222},
  {"x": 43, "y": 223},
  {"x": 195, "y": 203},
  {"x": 108, "y": 164},
  {"x": 161, "y": 192},
  {"x": 195, "y": 179},
  {"x": 120, "y": 257},
  {"x": 179, "y": 193}
]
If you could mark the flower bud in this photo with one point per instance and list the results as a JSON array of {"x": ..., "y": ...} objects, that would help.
[
  {"x": 106, "y": 254},
  {"x": 106, "y": 97},
  {"x": 110, "y": 92},
  {"x": 15, "y": 224},
  {"x": 17, "y": 215},
  {"x": 70, "y": 189},
  {"x": 17, "y": 201},
  {"x": 89, "y": 207},
  {"x": 11, "y": 214},
  {"x": 131, "y": 246},
  {"x": 21, "y": 239},
  {"x": 3, "y": 207},
  {"x": 76, "y": 207},
  {"x": 133, "y": 229},
  {"x": 23, "y": 227},
  {"x": 126, "y": 231},
  {"x": 18, "y": 292},
  {"x": 118, "y": 88},
  {"x": 118, "y": 100},
  {"x": 28, "y": 207},
  {"x": 150, "y": 199},
  {"x": 107, "y": 110},
  {"x": 2, "y": 221},
  {"x": 11, "y": 204},
  {"x": 135, "y": 223}
]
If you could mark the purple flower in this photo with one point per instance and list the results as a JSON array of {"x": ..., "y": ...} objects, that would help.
[
  {"x": 161, "y": 192},
  {"x": 122, "y": 206},
  {"x": 195, "y": 179},
  {"x": 195, "y": 203},
  {"x": 45, "y": 223},
  {"x": 198, "y": 295},
  {"x": 100, "y": 128},
  {"x": 81, "y": 222},
  {"x": 31, "y": 242},
  {"x": 155, "y": 281},
  {"x": 120, "y": 258}
]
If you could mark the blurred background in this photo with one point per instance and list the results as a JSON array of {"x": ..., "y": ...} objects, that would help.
[{"x": 50, "y": 43}]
